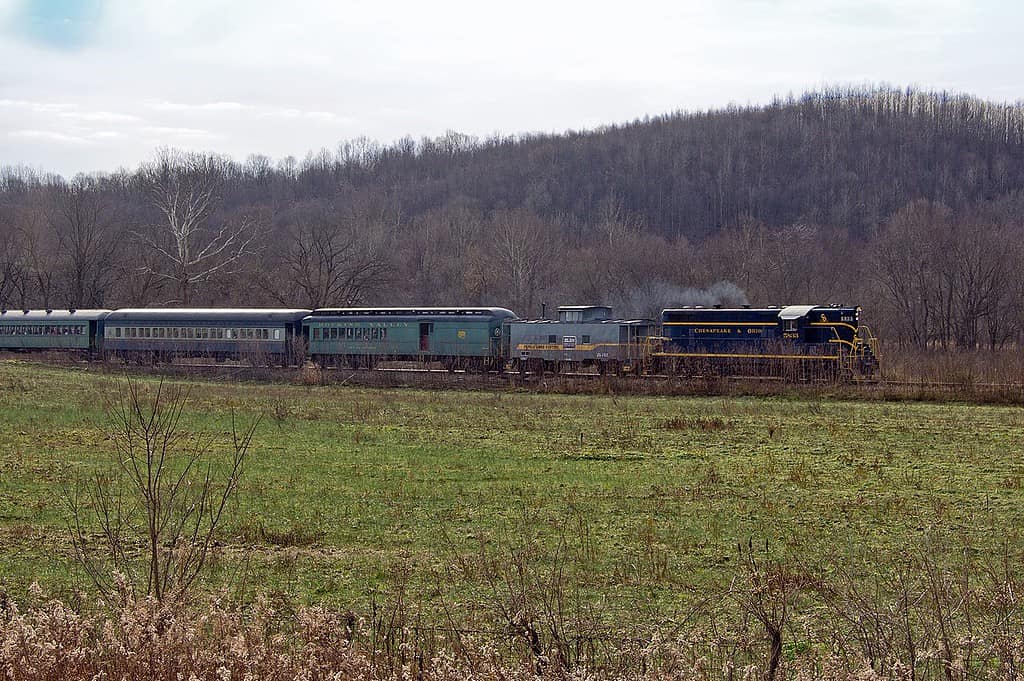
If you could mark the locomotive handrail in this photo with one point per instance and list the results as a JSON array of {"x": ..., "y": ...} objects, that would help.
[{"x": 869, "y": 339}]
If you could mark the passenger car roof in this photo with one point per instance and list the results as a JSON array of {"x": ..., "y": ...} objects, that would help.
[
  {"x": 412, "y": 312},
  {"x": 37, "y": 316},
  {"x": 227, "y": 314}
]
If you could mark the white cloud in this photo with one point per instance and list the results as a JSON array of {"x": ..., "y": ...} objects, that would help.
[
  {"x": 176, "y": 132},
  {"x": 48, "y": 136},
  {"x": 164, "y": 105},
  {"x": 99, "y": 116}
]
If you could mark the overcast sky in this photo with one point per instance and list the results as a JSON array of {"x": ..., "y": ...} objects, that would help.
[{"x": 91, "y": 85}]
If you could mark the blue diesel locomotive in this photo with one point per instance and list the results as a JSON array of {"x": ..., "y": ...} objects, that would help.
[{"x": 792, "y": 341}]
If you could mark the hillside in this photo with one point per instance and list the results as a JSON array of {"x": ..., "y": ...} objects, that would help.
[
  {"x": 844, "y": 158},
  {"x": 795, "y": 200}
]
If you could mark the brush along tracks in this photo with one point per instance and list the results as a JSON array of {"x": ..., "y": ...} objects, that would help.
[{"x": 437, "y": 378}]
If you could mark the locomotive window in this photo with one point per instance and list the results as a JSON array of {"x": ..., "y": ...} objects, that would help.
[
  {"x": 374, "y": 334},
  {"x": 350, "y": 333},
  {"x": 586, "y": 338},
  {"x": 220, "y": 334},
  {"x": 552, "y": 339},
  {"x": 383, "y": 334},
  {"x": 277, "y": 334}
]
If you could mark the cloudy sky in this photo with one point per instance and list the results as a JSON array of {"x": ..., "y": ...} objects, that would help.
[{"x": 91, "y": 85}]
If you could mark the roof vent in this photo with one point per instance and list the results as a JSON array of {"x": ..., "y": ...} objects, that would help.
[
  {"x": 24, "y": 311},
  {"x": 71, "y": 310},
  {"x": 718, "y": 306},
  {"x": 49, "y": 311},
  {"x": 746, "y": 306}
]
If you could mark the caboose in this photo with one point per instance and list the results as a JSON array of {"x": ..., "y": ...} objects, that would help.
[{"x": 583, "y": 336}]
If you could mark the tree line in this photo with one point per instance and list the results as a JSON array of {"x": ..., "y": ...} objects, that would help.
[{"x": 906, "y": 202}]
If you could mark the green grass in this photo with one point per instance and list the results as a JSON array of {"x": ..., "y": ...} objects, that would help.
[{"x": 347, "y": 488}]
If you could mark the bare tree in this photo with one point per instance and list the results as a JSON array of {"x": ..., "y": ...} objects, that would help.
[
  {"x": 160, "y": 500},
  {"x": 904, "y": 263},
  {"x": 523, "y": 249},
  {"x": 81, "y": 221},
  {"x": 41, "y": 279},
  {"x": 185, "y": 189},
  {"x": 334, "y": 259},
  {"x": 12, "y": 265}
]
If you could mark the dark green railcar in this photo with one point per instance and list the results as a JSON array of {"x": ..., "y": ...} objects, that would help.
[
  {"x": 457, "y": 337},
  {"x": 27, "y": 330}
]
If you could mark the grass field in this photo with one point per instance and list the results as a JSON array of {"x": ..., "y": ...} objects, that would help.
[{"x": 351, "y": 493}]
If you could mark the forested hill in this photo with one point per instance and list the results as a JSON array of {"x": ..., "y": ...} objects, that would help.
[
  {"x": 845, "y": 158},
  {"x": 806, "y": 199}
]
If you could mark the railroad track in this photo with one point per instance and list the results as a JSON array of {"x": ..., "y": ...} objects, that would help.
[
  {"x": 527, "y": 378},
  {"x": 584, "y": 382}
]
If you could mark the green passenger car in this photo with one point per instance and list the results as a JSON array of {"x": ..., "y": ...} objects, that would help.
[
  {"x": 26, "y": 330},
  {"x": 457, "y": 337}
]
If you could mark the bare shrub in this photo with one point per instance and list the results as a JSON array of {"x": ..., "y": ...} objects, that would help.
[{"x": 155, "y": 514}]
